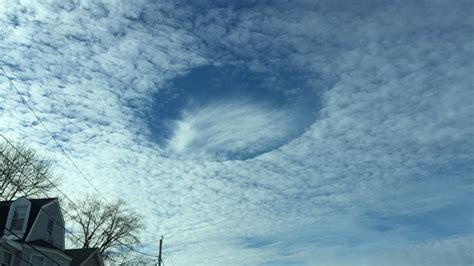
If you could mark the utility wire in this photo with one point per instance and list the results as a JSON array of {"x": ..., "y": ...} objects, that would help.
[
  {"x": 138, "y": 251},
  {"x": 56, "y": 221},
  {"x": 61, "y": 148},
  {"x": 49, "y": 215},
  {"x": 44, "y": 176},
  {"x": 76, "y": 207},
  {"x": 51, "y": 135},
  {"x": 52, "y": 183},
  {"x": 21, "y": 258},
  {"x": 46, "y": 212},
  {"x": 37, "y": 250},
  {"x": 38, "y": 170},
  {"x": 139, "y": 259}
]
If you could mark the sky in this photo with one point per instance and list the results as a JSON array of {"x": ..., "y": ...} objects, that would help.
[{"x": 257, "y": 132}]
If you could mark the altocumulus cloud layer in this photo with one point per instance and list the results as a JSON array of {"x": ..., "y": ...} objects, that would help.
[{"x": 349, "y": 138}]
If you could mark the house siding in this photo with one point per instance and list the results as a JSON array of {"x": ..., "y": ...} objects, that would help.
[
  {"x": 15, "y": 259},
  {"x": 27, "y": 252},
  {"x": 34, "y": 233},
  {"x": 41, "y": 225}
]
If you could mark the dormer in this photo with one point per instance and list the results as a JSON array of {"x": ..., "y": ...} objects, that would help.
[
  {"x": 35, "y": 220},
  {"x": 17, "y": 220},
  {"x": 48, "y": 225}
]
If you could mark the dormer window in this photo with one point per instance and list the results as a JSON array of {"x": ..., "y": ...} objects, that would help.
[{"x": 18, "y": 218}]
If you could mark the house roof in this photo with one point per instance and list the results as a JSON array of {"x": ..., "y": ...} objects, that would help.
[
  {"x": 4, "y": 207},
  {"x": 36, "y": 205},
  {"x": 42, "y": 243},
  {"x": 80, "y": 255},
  {"x": 39, "y": 243}
]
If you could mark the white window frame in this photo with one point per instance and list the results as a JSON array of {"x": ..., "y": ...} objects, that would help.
[
  {"x": 21, "y": 201},
  {"x": 36, "y": 255},
  {"x": 25, "y": 217}
]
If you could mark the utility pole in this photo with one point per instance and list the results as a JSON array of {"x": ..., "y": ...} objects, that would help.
[{"x": 159, "y": 253}]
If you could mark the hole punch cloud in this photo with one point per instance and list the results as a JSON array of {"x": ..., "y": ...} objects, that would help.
[
  {"x": 230, "y": 113},
  {"x": 238, "y": 129}
]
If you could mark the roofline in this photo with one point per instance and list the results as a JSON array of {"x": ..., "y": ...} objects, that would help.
[
  {"x": 12, "y": 243},
  {"x": 30, "y": 199},
  {"x": 56, "y": 200},
  {"x": 96, "y": 251},
  {"x": 41, "y": 210},
  {"x": 53, "y": 250}
]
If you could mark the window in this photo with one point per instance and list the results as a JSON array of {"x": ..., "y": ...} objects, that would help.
[
  {"x": 18, "y": 218},
  {"x": 37, "y": 260},
  {"x": 7, "y": 259},
  {"x": 49, "y": 231}
]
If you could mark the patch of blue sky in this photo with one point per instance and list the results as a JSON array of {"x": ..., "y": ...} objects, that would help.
[{"x": 234, "y": 90}]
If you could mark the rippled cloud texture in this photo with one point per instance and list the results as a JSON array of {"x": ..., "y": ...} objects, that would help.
[{"x": 354, "y": 144}]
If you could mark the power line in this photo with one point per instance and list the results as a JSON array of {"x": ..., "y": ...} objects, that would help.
[
  {"x": 137, "y": 251},
  {"x": 35, "y": 167},
  {"x": 46, "y": 212},
  {"x": 57, "y": 222},
  {"x": 37, "y": 250},
  {"x": 45, "y": 177},
  {"x": 52, "y": 183},
  {"x": 139, "y": 259},
  {"x": 21, "y": 258},
  {"x": 61, "y": 148},
  {"x": 51, "y": 135}
]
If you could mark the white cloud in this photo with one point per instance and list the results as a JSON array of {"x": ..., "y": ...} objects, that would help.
[
  {"x": 231, "y": 129},
  {"x": 394, "y": 135}
]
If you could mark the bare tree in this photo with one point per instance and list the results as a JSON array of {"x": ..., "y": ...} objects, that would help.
[
  {"x": 24, "y": 173},
  {"x": 112, "y": 228}
]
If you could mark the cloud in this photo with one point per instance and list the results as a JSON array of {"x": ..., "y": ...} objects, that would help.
[
  {"x": 229, "y": 112},
  {"x": 384, "y": 134},
  {"x": 235, "y": 129}
]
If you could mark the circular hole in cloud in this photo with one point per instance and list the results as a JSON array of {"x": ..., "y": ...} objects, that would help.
[{"x": 231, "y": 113}]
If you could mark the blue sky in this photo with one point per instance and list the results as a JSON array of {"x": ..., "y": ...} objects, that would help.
[{"x": 258, "y": 132}]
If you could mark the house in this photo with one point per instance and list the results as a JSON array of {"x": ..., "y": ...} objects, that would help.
[
  {"x": 84, "y": 257},
  {"x": 32, "y": 232}
]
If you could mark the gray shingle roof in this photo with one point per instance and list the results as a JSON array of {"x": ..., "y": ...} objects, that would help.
[
  {"x": 36, "y": 205},
  {"x": 79, "y": 255}
]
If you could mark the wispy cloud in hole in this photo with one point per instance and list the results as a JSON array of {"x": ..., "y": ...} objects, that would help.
[{"x": 235, "y": 129}]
